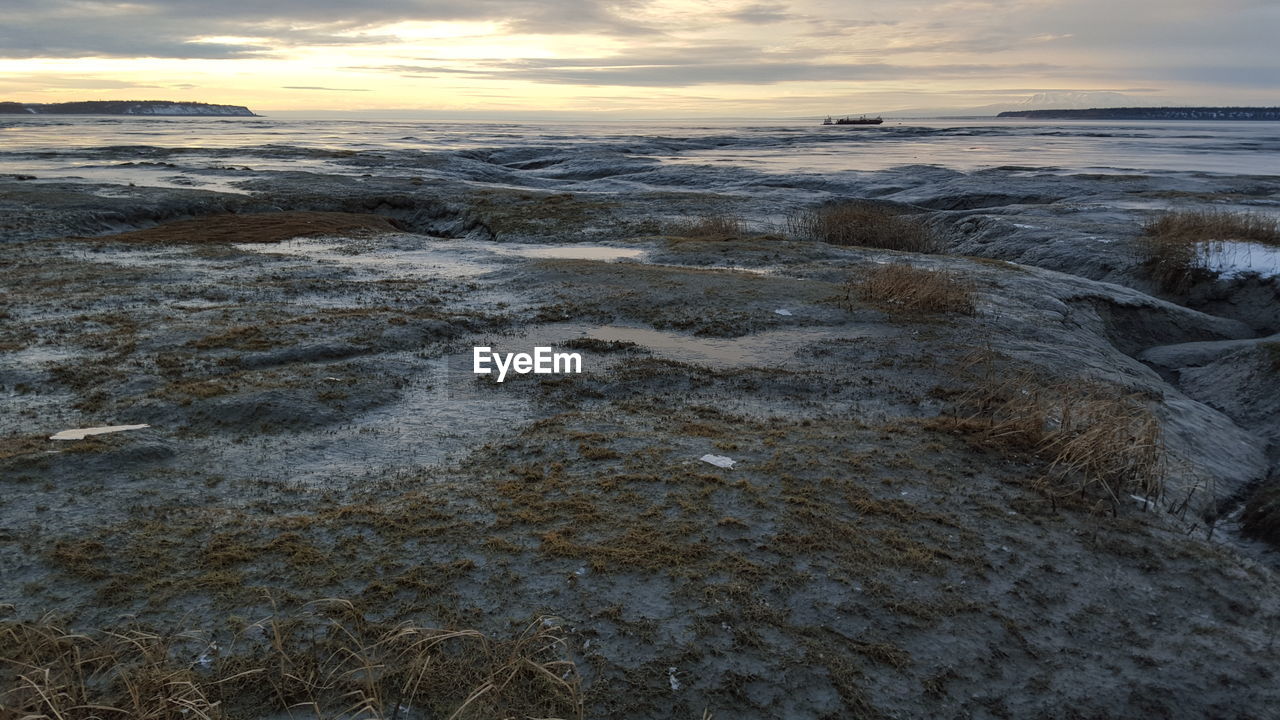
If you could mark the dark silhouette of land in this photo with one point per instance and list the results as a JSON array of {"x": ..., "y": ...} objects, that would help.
[
  {"x": 1151, "y": 113},
  {"x": 124, "y": 107}
]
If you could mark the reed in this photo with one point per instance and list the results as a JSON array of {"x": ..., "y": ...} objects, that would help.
[{"x": 863, "y": 224}]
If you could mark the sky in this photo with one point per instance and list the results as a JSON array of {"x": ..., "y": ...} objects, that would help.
[{"x": 639, "y": 58}]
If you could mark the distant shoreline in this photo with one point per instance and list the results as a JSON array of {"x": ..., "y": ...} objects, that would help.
[
  {"x": 153, "y": 108},
  {"x": 1151, "y": 113}
]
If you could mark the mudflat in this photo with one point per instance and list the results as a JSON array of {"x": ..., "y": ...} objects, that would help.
[{"x": 957, "y": 481}]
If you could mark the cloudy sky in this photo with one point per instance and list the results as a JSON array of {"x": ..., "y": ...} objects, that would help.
[{"x": 637, "y": 57}]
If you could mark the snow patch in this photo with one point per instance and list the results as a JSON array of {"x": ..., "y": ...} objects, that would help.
[{"x": 1233, "y": 259}]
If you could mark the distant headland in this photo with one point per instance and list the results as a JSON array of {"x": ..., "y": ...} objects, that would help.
[
  {"x": 125, "y": 107},
  {"x": 1151, "y": 113}
]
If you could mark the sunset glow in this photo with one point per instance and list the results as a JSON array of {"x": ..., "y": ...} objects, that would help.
[{"x": 670, "y": 57}]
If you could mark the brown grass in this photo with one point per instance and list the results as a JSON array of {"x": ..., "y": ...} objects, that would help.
[
  {"x": 1179, "y": 248},
  {"x": 709, "y": 227},
  {"x": 244, "y": 337},
  {"x": 16, "y": 446},
  {"x": 327, "y": 662},
  {"x": 909, "y": 290},
  {"x": 865, "y": 225},
  {"x": 1096, "y": 438}
]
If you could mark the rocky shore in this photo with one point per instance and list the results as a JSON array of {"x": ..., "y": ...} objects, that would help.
[{"x": 899, "y": 535}]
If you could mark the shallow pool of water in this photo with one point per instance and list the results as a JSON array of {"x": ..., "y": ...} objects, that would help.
[
  {"x": 766, "y": 348},
  {"x": 416, "y": 256}
]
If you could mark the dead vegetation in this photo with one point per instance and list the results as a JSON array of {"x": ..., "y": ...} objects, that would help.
[
  {"x": 710, "y": 226},
  {"x": 903, "y": 289},
  {"x": 329, "y": 662},
  {"x": 1099, "y": 441},
  {"x": 510, "y": 214},
  {"x": 246, "y": 337},
  {"x": 1180, "y": 248},
  {"x": 601, "y": 346},
  {"x": 19, "y": 445},
  {"x": 863, "y": 224}
]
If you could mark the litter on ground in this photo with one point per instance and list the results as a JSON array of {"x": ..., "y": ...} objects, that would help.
[
  {"x": 82, "y": 433},
  {"x": 718, "y": 460}
]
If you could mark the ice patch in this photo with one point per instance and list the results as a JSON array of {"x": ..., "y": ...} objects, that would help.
[
  {"x": 570, "y": 252},
  {"x": 1233, "y": 259},
  {"x": 434, "y": 258}
]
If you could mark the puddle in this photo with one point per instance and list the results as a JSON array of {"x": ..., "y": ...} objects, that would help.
[
  {"x": 388, "y": 263},
  {"x": 767, "y": 348},
  {"x": 412, "y": 257},
  {"x": 572, "y": 252}
]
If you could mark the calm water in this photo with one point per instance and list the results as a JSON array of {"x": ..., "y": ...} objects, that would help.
[{"x": 222, "y": 153}]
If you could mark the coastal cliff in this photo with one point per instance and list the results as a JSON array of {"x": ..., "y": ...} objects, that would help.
[{"x": 125, "y": 107}]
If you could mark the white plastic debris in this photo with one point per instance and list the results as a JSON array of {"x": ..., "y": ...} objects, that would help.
[
  {"x": 1144, "y": 504},
  {"x": 782, "y": 311},
  {"x": 718, "y": 460},
  {"x": 83, "y": 433},
  {"x": 671, "y": 675}
]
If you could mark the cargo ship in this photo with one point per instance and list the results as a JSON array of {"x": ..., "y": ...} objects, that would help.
[{"x": 850, "y": 120}]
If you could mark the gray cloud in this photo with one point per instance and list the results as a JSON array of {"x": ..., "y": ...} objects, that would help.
[
  {"x": 73, "y": 82},
  {"x": 671, "y": 72},
  {"x": 761, "y": 14},
  {"x": 168, "y": 28},
  {"x": 1260, "y": 76},
  {"x": 1186, "y": 43},
  {"x": 419, "y": 70},
  {"x": 47, "y": 38}
]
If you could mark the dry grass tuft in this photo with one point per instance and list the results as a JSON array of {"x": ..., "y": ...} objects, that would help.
[
  {"x": 19, "y": 445},
  {"x": 865, "y": 225},
  {"x": 709, "y": 227},
  {"x": 909, "y": 290},
  {"x": 330, "y": 663},
  {"x": 1180, "y": 248},
  {"x": 1097, "y": 438},
  {"x": 1204, "y": 225}
]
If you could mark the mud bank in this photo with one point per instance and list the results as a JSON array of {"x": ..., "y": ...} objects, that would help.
[{"x": 876, "y": 550}]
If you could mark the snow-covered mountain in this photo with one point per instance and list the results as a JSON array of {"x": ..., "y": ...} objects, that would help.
[{"x": 1049, "y": 100}]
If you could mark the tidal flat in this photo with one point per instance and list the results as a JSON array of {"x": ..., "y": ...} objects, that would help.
[{"x": 1005, "y": 479}]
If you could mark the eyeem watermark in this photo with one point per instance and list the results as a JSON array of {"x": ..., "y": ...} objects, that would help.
[{"x": 543, "y": 361}]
